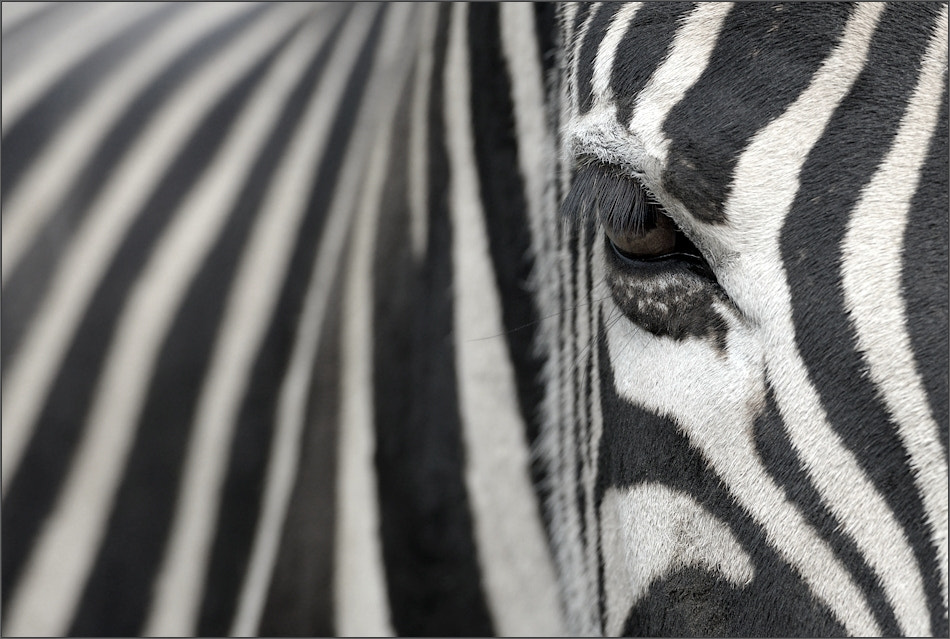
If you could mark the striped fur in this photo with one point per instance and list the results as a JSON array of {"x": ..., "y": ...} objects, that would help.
[
  {"x": 295, "y": 339},
  {"x": 246, "y": 389},
  {"x": 766, "y": 448}
]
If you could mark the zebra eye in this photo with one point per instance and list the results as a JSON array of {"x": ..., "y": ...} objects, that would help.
[
  {"x": 636, "y": 226},
  {"x": 653, "y": 237}
]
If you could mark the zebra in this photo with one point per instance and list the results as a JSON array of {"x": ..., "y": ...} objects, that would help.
[
  {"x": 206, "y": 429},
  {"x": 514, "y": 293},
  {"x": 753, "y": 390}
]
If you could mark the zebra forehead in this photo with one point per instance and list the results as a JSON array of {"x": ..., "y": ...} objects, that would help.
[{"x": 677, "y": 92}]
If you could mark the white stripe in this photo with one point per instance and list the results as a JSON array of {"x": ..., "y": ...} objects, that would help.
[
  {"x": 568, "y": 10},
  {"x": 537, "y": 161},
  {"x": 110, "y": 216},
  {"x": 871, "y": 275},
  {"x": 62, "y": 558},
  {"x": 688, "y": 58},
  {"x": 27, "y": 35},
  {"x": 248, "y": 312},
  {"x": 651, "y": 530},
  {"x": 536, "y": 145},
  {"x": 80, "y": 38},
  {"x": 518, "y": 575},
  {"x": 291, "y": 409},
  {"x": 716, "y": 413},
  {"x": 558, "y": 372},
  {"x": 765, "y": 183},
  {"x": 419, "y": 134},
  {"x": 607, "y": 51},
  {"x": 563, "y": 113},
  {"x": 550, "y": 444},
  {"x": 565, "y": 511},
  {"x": 35, "y": 197}
]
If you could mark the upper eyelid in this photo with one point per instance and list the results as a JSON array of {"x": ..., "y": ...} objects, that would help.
[
  {"x": 622, "y": 170},
  {"x": 606, "y": 194}
]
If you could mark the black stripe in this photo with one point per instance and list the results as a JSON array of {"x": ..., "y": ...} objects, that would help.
[
  {"x": 599, "y": 341},
  {"x": 572, "y": 52},
  {"x": 854, "y": 142},
  {"x": 300, "y": 599},
  {"x": 506, "y": 211},
  {"x": 432, "y": 570},
  {"x": 694, "y": 602},
  {"x": 643, "y": 48},
  {"x": 240, "y": 503},
  {"x": 580, "y": 242},
  {"x": 925, "y": 274},
  {"x": 25, "y": 287},
  {"x": 41, "y": 121},
  {"x": 46, "y": 459},
  {"x": 783, "y": 463},
  {"x": 738, "y": 94},
  {"x": 546, "y": 29}
]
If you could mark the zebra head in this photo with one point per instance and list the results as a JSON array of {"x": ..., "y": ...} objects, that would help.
[
  {"x": 747, "y": 424},
  {"x": 307, "y": 308}
]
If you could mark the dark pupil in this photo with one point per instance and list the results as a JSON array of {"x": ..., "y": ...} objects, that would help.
[
  {"x": 645, "y": 230},
  {"x": 652, "y": 238}
]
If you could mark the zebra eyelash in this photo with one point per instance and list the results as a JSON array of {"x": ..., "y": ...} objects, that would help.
[{"x": 602, "y": 193}]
